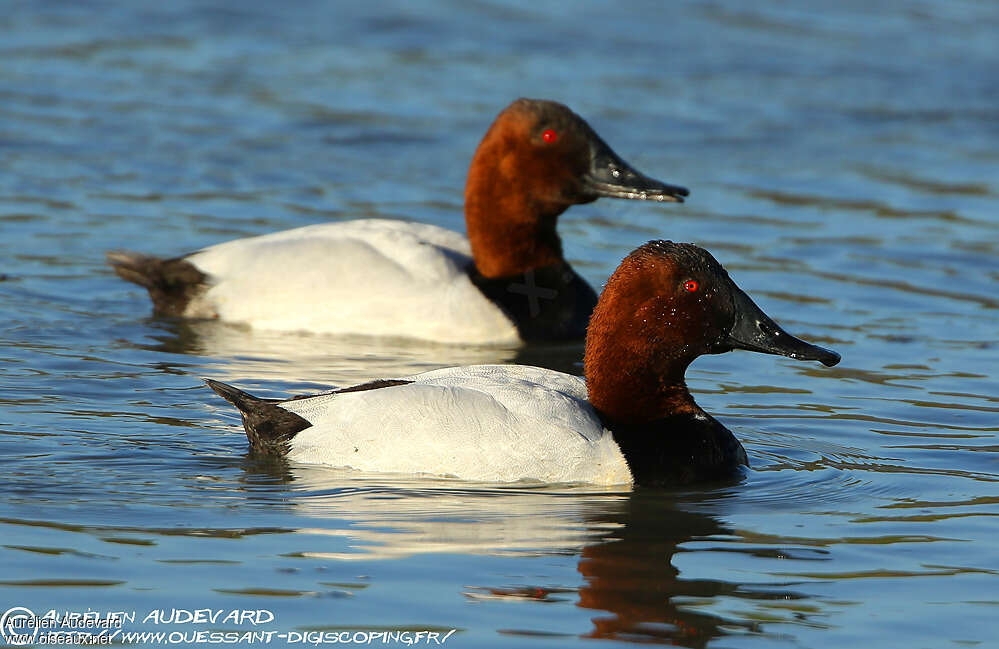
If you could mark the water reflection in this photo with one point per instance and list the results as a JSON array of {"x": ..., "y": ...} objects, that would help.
[
  {"x": 626, "y": 544},
  {"x": 392, "y": 517},
  {"x": 631, "y": 576},
  {"x": 298, "y": 358}
]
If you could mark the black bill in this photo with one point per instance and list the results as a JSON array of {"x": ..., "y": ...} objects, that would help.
[
  {"x": 755, "y": 331},
  {"x": 612, "y": 177}
]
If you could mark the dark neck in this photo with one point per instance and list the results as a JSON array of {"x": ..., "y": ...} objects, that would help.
[
  {"x": 679, "y": 449},
  {"x": 550, "y": 303},
  {"x": 667, "y": 439},
  {"x": 509, "y": 233}
]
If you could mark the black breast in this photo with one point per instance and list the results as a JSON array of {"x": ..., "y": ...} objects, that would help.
[
  {"x": 551, "y": 303},
  {"x": 679, "y": 450}
]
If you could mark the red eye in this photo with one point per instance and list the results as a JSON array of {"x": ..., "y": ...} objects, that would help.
[
  {"x": 691, "y": 286},
  {"x": 549, "y": 136}
]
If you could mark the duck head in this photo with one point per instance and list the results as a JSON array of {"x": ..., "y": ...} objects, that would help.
[
  {"x": 537, "y": 159},
  {"x": 665, "y": 305}
]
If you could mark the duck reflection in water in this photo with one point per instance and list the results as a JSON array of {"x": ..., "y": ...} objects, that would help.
[
  {"x": 628, "y": 544},
  {"x": 632, "y": 576},
  {"x": 303, "y": 359}
]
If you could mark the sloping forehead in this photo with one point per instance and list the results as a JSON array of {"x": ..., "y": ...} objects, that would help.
[
  {"x": 542, "y": 111},
  {"x": 680, "y": 256}
]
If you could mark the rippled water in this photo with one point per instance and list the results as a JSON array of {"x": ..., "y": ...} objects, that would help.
[{"x": 844, "y": 166}]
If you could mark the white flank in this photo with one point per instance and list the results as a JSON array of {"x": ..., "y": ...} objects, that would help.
[
  {"x": 373, "y": 276},
  {"x": 494, "y": 423}
]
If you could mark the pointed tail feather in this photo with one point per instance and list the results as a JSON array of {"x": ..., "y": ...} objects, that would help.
[
  {"x": 269, "y": 427},
  {"x": 133, "y": 267},
  {"x": 172, "y": 283}
]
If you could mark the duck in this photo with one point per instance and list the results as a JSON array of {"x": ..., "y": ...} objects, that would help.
[
  {"x": 505, "y": 283},
  {"x": 631, "y": 421}
]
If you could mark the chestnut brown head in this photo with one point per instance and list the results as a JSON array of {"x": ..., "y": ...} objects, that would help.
[
  {"x": 665, "y": 305},
  {"x": 537, "y": 159}
]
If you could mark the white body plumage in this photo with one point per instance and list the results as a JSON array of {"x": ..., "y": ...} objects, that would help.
[
  {"x": 372, "y": 276},
  {"x": 495, "y": 423}
]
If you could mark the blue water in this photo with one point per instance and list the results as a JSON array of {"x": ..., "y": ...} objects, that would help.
[{"x": 844, "y": 167}]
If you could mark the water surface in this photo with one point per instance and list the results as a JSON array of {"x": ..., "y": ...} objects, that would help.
[{"x": 843, "y": 165}]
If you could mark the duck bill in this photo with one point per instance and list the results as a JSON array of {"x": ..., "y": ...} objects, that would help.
[
  {"x": 612, "y": 177},
  {"x": 755, "y": 331}
]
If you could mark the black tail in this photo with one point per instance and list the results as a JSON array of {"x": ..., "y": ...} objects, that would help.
[
  {"x": 172, "y": 283},
  {"x": 269, "y": 427}
]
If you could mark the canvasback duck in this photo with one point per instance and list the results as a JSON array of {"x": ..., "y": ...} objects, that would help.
[
  {"x": 507, "y": 282},
  {"x": 632, "y": 421}
]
